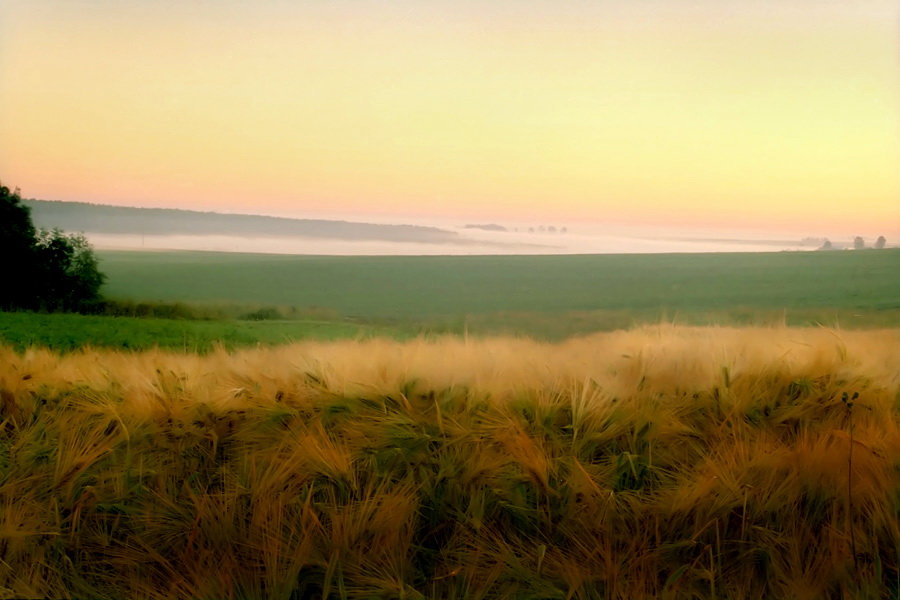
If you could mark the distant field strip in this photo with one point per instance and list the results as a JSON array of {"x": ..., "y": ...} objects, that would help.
[
  {"x": 663, "y": 462},
  {"x": 71, "y": 331},
  {"x": 430, "y": 287}
]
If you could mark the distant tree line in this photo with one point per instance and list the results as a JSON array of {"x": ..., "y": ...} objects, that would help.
[
  {"x": 43, "y": 269},
  {"x": 858, "y": 243}
]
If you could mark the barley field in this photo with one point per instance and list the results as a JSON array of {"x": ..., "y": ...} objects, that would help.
[{"x": 660, "y": 462}]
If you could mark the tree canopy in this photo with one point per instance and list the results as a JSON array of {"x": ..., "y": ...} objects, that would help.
[{"x": 43, "y": 269}]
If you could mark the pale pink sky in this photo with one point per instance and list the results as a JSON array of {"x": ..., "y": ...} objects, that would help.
[{"x": 723, "y": 114}]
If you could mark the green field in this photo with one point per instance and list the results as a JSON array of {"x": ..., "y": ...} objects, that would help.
[
  {"x": 547, "y": 297},
  {"x": 399, "y": 287},
  {"x": 71, "y": 331}
]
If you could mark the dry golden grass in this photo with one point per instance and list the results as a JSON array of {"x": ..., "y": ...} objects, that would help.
[{"x": 663, "y": 462}]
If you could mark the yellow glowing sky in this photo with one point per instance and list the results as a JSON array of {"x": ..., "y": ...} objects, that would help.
[{"x": 763, "y": 113}]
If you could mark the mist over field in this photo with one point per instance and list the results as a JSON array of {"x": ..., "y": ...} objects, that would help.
[
  {"x": 128, "y": 228},
  {"x": 469, "y": 243}
]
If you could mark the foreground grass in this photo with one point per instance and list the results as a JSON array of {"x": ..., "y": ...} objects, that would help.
[{"x": 660, "y": 462}]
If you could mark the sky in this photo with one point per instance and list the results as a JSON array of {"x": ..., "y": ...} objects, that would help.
[{"x": 779, "y": 115}]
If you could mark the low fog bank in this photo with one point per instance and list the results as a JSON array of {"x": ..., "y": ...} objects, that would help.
[
  {"x": 471, "y": 242},
  {"x": 129, "y": 228}
]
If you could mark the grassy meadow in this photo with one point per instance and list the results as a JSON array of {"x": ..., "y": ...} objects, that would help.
[
  {"x": 661, "y": 462},
  {"x": 430, "y": 287},
  {"x": 67, "y": 332},
  {"x": 248, "y": 299}
]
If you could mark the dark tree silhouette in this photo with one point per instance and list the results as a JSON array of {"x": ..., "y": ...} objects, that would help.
[
  {"x": 858, "y": 243},
  {"x": 17, "y": 252},
  {"x": 68, "y": 271},
  {"x": 40, "y": 269},
  {"x": 880, "y": 242}
]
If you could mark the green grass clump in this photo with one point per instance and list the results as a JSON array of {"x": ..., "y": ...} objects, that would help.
[{"x": 68, "y": 332}]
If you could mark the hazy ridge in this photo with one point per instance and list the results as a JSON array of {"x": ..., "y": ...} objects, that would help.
[{"x": 108, "y": 219}]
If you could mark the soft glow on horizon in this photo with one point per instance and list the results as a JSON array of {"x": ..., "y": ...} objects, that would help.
[{"x": 778, "y": 114}]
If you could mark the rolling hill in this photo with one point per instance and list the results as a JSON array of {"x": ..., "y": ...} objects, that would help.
[{"x": 100, "y": 218}]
